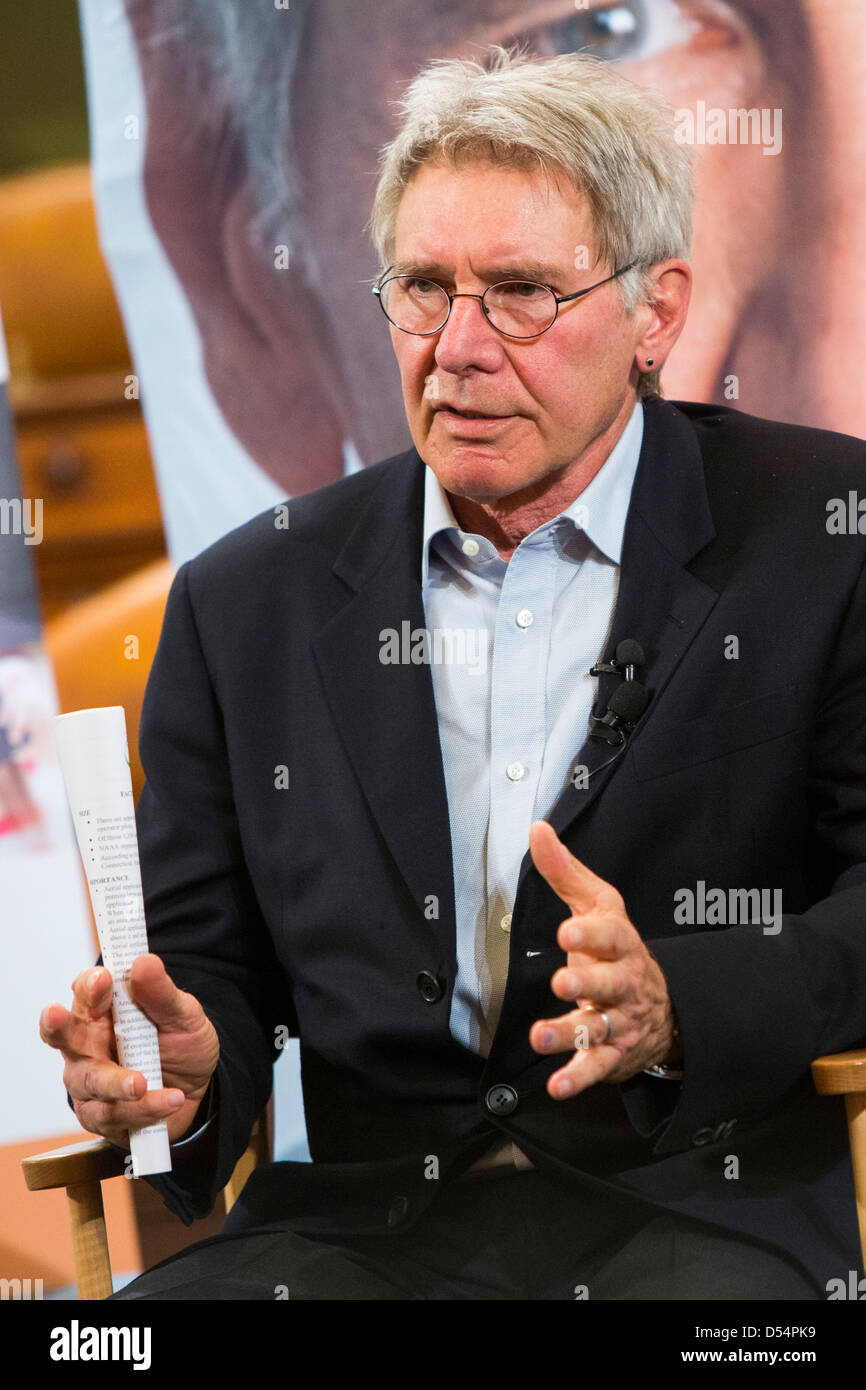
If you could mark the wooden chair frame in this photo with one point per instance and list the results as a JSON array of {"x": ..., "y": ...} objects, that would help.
[{"x": 81, "y": 1168}]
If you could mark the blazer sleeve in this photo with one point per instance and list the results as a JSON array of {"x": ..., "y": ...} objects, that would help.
[
  {"x": 203, "y": 918},
  {"x": 755, "y": 1008}
]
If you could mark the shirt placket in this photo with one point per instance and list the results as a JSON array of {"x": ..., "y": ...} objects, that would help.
[{"x": 521, "y": 652}]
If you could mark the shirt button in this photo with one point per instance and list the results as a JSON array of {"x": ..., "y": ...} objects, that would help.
[
  {"x": 514, "y": 771},
  {"x": 505, "y": 923},
  {"x": 470, "y": 547},
  {"x": 524, "y": 617}
]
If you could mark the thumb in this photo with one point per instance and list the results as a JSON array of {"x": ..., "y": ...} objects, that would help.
[
  {"x": 571, "y": 880},
  {"x": 168, "y": 1007}
]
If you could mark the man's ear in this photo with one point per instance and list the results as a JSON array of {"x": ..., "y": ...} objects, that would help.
[
  {"x": 264, "y": 342},
  {"x": 672, "y": 288}
]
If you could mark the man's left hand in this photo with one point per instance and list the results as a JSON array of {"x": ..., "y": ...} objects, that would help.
[{"x": 609, "y": 970}]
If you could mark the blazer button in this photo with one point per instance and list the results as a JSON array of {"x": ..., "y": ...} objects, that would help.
[
  {"x": 501, "y": 1100},
  {"x": 430, "y": 989},
  {"x": 399, "y": 1211}
]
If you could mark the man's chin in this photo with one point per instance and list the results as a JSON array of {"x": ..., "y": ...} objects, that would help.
[{"x": 478, "y": 472}]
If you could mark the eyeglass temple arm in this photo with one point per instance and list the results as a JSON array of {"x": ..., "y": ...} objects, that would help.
[{"x": 564, "y": 298}]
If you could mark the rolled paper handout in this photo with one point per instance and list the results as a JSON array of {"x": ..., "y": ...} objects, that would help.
[{"x": 94, "y": 759}]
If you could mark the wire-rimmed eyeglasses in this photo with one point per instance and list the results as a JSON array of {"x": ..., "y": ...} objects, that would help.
[{"x": 517, "y": 308}]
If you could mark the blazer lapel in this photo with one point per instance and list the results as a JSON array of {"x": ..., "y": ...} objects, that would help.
[{"x": 385, "y": 711}]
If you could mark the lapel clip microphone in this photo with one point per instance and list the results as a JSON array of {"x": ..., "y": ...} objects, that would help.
[{"x": 628, "y": 701}]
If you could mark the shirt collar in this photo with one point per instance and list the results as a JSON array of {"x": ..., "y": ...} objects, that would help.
[
  {"x": 438, "y": 516},
  {"x": 600, "y": 510}
]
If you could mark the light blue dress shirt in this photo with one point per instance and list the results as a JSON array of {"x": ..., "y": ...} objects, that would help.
[{"x": 511, "y": 644}]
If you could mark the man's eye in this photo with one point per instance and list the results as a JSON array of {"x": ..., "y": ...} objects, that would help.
[
  {"x": 617, "y": 33},
  {"x": 519, "y": 289},
  {"x": 418, "y": 287}
]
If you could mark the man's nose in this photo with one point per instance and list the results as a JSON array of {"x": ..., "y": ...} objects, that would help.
[{"x": 468, "y": 339}]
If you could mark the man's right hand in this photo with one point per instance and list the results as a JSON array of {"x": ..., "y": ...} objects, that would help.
[{"x": 110, "y": 1099}]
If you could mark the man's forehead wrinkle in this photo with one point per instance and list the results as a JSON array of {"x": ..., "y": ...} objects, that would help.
[
  {"x": 540, "y": 186},
  {"x": 519, "y": 193},
  {"x": 523, "y": 246}
]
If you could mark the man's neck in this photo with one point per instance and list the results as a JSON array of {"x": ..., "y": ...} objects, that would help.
[{"x": 507, "y": 520}]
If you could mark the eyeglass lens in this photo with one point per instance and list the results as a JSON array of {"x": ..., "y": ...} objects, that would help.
[{"x": 519, "y": 308}]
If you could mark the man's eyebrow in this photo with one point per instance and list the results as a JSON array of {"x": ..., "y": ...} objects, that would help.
[{"x": 541, "y": 271}]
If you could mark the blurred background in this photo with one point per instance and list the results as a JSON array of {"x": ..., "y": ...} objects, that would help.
[
  {"x": 75, "y": 413},
  {"x": 82, "y": 449}
]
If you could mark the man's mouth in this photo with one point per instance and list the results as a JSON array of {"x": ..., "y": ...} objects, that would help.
[{"x": 469, "y": 414}]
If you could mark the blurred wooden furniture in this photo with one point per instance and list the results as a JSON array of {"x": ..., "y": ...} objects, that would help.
[
  {"x": 102, "y": 649},
  {"x": 844, "y": 1074},
  {"x": 81, "y": 1168},
  {"x": 81, "y": 439}
]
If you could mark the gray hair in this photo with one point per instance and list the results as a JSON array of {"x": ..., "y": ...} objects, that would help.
[{"x": 575, "y": 114}]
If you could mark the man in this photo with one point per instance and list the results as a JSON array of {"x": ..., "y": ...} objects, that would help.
[{"x": 311, "y": 733}]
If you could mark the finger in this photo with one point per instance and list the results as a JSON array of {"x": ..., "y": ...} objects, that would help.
[
  {"x": 92, "y": 991},
  {"x": 90, "y": 1079},
  {"x": 580, "y": 1029},
  {"x": 571, "y": 880},
  {"x": 607, "y": 938},
  {"x": 167, "y": 1006},
  {"x": 109, "y": 1117},
  {"x": 71, "y": 1034},
  {"x": 53, "y": 1021},
  {"x": 599, "y": 981},
  {"x": 586, "y": 1067}
]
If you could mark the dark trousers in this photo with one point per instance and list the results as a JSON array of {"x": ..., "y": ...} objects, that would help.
[{"x": 525, "y": 1236}]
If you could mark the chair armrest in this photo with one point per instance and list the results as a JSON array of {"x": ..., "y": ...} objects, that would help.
[
  {"x": 840, "y": 1073},
  {"x": 80, "y": 1168},
  {"x": 844, "y": 1074},
  {"x": 90, "y": 1161}
]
